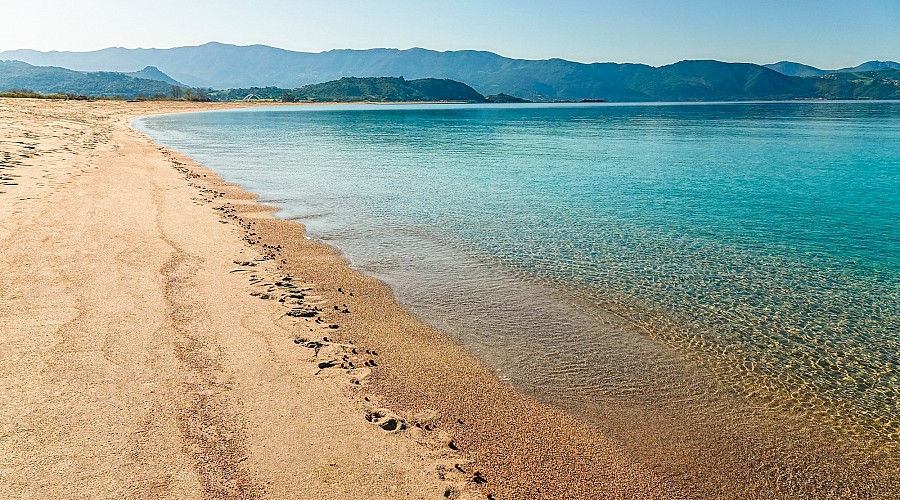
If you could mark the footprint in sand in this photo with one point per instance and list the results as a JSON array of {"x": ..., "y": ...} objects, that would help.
[{"x": 387, "y": 420}]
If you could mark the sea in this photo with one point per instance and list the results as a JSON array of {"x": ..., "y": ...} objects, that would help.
[{"x": 715, "y": 285}]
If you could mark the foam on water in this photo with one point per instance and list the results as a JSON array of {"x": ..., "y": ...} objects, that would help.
[{"x": 707, "y": 261}]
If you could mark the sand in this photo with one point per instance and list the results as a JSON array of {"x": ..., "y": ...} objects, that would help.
[{"x": 164, "y": 336}]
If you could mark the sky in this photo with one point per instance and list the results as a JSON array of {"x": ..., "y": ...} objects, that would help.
[{"x": 824, "y": 33}]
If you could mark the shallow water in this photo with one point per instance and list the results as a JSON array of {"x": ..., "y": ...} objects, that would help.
[{"x": 734, "y": 266}]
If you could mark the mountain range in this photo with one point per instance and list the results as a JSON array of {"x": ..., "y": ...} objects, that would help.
[{"x": 222, "y": 66}]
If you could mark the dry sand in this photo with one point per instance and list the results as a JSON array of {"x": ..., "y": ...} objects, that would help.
[{"x": 164, "y": 336}]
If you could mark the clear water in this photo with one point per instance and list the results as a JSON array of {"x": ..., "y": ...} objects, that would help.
[{"x": 755, "y": 244}]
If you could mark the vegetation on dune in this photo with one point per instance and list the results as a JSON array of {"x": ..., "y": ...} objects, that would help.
[
  {"x": 252, "y": 93},
  {"x": 24, "y": 93}
]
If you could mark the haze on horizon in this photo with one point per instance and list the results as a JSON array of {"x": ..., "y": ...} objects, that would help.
[{"x": 828, "y": 34}]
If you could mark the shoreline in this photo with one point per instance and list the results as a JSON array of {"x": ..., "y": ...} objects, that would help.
[
  {"x": 429, "y": 378},
  {"x": 697, "y": 452},
  {"x": 475, "y": 436}
]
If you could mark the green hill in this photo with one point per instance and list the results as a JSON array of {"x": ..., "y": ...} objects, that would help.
[
  {"x": 15, "y": 75},
  {"x": 884, "y": 84},
  {"x": 374, "y": 89},
  {"x": 504, "y": 99},
  {"x": 387, "y": 89},
  {"x": 717, "y": 81}
]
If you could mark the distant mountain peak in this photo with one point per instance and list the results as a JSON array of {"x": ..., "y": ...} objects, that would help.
[
  {"x": 872, "y": 66},
  {"x": 154, "y": 73},
  {"x": 791, "y": 68}
]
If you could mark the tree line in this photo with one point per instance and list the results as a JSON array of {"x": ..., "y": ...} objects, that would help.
[{"x": 178, "y": 93}]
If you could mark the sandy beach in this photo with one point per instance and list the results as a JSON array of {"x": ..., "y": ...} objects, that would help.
[{"x": 164, "y": 336}]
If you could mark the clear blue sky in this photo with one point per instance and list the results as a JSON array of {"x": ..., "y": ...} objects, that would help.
[{"x": 824, "y": 33}]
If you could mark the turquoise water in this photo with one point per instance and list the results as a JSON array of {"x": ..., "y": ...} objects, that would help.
[{"x": 757, "y": 243}]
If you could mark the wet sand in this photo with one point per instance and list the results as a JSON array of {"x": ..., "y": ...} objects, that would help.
[{"x": 164, "y": 336}]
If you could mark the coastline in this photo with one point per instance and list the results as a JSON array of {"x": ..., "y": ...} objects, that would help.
[
  {"x": 706, "y": 445},
  {"x": 519, "y": 448},
  {"x": 238, "y": 424}
]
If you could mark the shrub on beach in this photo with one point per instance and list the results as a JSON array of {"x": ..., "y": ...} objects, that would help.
[{"x": 30, "y": 94}]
